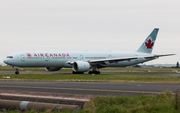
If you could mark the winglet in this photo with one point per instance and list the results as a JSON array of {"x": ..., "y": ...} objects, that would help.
[{"x": 148, "y": 44}]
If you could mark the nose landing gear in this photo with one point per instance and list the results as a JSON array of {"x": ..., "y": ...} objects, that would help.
[{"x": 16, "y": 72}]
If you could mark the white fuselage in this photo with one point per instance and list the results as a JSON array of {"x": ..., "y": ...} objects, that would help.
[{"x": 61, "y": 58}]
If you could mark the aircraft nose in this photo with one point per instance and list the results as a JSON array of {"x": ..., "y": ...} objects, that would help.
[{"x": 7, "y": 61}]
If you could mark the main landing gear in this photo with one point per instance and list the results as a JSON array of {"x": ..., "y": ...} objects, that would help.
[
  {"x": 94, "y": 71},
  {"x": 77, "y": 72}
]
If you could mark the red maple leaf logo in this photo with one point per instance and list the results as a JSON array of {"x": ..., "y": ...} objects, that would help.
[
  {"x": 28, "y": 54},
  {"x": 149, "y": 45}
]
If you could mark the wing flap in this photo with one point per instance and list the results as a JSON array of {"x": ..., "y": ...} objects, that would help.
[
  {"x": 117, "y": 59},
  {"x": 162, "y": 55}
]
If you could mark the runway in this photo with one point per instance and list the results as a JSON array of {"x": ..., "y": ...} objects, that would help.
[{"x": 90, "y": 88}]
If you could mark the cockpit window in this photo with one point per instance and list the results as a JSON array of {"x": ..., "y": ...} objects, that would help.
[{"x": 9, "y": 56}]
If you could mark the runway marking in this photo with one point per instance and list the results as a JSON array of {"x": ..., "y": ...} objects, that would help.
[{"x": 120, "y": 91}]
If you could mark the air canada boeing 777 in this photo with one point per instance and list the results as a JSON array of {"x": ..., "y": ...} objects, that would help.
[{"x": 84, "y": 61}]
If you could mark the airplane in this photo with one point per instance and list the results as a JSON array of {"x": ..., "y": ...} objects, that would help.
[{"x": 83, "y": 61}]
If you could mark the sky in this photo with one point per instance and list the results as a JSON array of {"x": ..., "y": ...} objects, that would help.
[{"x": 89, "y": 25}]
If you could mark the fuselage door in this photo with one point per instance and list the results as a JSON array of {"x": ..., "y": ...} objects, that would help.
[
  {"x": 109, "y": 56},
  {"x": 81, "y": 57},
  {"x": 46, "y": 58},
  {"x": 22, "y": 58}
]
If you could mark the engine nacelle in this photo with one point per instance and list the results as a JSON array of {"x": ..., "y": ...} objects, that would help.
[
  {"x": 52, "y": 68},
  {"x": 81, "y": 66}
]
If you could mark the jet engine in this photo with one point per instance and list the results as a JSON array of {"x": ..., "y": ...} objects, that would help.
[
  {"x": 52, "y": 68},
  {"x": 81, "y": 66}
]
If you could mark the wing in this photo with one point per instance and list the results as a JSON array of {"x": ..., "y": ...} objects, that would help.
[
  {"x": 112, "y": 60},
  {"x": 115, "y": 60},
  {"x": 164, "y": 55}
]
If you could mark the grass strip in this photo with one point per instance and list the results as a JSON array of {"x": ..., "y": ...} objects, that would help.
[
  {"x": 105, "y": 70},
  {"x": 91, "y": 78},
  {"x": 161, "y": 103}
]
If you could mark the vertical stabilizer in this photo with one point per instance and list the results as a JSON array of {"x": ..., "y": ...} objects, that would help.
[{"x": 148, "y": 44}]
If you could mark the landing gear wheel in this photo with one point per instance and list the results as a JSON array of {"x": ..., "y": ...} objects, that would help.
[
  {"x": 16, "y": 72},
  {"x": 98, "y": 72},
  {"x": 90, "y": 72},
  {"x": 77, "y": 72},
  {"x": 94, "y": 72}
]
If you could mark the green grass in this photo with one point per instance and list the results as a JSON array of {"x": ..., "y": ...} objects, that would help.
[
  {"x": 104, "y": 70},
  {"x": 8, "y": 68},
  {"x": 161, "y": 103},
  {"x": 99, "y": 78},
  {"x": 95, "y": 78}
]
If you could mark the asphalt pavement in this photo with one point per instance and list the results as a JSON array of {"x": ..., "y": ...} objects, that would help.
[{"x": 90, "y": 88}]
